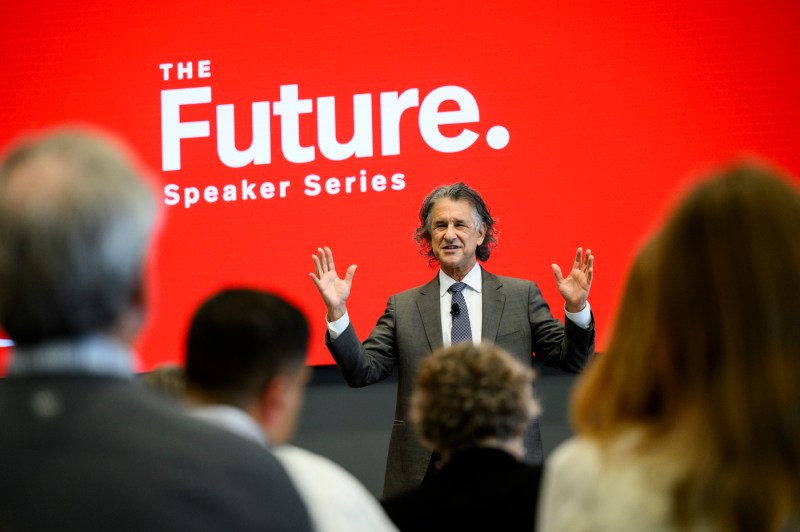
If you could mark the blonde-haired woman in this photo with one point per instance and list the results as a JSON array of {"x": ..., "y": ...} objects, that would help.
[{"x": 691, "y": 418}]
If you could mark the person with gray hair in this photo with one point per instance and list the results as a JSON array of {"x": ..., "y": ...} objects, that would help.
[
  {"x": 81, "y": 445},
  {"x": 463, "y": 303},
  {"x": 471, "y": 405}
]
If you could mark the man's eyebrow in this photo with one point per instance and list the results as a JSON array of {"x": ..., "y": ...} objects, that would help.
[{"x": 444, "y": 218}]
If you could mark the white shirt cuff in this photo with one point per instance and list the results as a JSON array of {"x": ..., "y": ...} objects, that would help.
[
  {"x": 582, "y": 319},
  {"x": 336, "y": 328}
]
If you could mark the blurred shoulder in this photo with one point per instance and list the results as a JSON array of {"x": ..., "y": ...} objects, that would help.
[
  {"x": 303, "y": 464},
  {"x": 609, "y": 487}
]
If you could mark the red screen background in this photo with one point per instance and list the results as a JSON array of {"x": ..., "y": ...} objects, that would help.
[{"x": 611, "y": 108}]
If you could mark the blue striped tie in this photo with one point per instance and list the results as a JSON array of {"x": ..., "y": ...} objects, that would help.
[{"x": 461, "y": 332}]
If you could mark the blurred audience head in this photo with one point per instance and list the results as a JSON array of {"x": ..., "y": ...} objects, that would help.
[
  {"x": 705, "y": 351},
  {"x": 247, "y": 348},
  {"x": 75, "y": 221},
  {"x": 469, "y": 395}
]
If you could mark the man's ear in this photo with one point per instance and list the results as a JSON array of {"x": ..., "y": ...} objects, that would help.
[
  {"x": 482, "y": 234},
  {"x": 272, "y": 401},
  {"x": 132, "y": 316}
]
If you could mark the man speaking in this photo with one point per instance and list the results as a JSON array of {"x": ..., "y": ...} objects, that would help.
[{"x": 463, "y": 302}]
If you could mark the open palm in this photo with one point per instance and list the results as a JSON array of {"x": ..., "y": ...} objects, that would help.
[
  {"x": 575, "y": 287},
  {"x": 333, "y": 289}
]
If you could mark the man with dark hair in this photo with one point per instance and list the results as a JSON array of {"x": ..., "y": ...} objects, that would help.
[
  {"x": 463, "y": 302},
  {"x": 81, "y": 445},
  {"x": 246, "y": 372}
]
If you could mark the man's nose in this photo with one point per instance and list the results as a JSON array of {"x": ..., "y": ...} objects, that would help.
[{"x": 450, "y": 233}]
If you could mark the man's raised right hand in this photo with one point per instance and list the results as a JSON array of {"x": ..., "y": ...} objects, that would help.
[{"x": 334, "y": 290}]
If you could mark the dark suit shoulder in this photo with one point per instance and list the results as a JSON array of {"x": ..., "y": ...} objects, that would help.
[
  {"x": 107, "y": 455},
  {"x": 512, "y": 283},
  {"x": 412, "y": 293},
  {"x": 483, "y": 489}
]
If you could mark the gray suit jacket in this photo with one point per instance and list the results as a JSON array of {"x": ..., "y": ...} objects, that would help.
[
  {"x": 515, "y": 317},
  {"x": 83, "y": 452}
]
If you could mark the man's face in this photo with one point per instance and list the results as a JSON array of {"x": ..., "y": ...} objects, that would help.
[{"x": 454, "y": 236}]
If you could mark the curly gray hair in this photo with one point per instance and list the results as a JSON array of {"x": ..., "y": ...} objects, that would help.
[{"x": 467, "y": 393}]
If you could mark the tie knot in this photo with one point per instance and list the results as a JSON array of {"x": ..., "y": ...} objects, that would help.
[{"x": 456, "y": 287}]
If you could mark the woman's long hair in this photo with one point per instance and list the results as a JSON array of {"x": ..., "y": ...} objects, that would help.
[{"x": 704, "y": 358}]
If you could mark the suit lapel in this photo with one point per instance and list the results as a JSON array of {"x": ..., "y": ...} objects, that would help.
[
  {"x": 429, "y": 309},
  {"x": 494, "y": 299}
]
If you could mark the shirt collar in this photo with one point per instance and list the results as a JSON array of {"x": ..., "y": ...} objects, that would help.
[
  {"x": 473, "y": 279},
  {"x": 232, "y": 419},
  {"x": 95, "y": 354}
]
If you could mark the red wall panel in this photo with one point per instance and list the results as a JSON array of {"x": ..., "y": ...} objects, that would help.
[{"x": 610, "y": 108}]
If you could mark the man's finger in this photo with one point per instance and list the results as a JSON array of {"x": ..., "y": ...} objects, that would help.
[
  {"x": 329, "y": 257},
  {"x": 317, "y": 265},
  {"x": 351, "y": 271},
  {"x": 322, "y": 262},
  {"x": 578, "y": 258},
  {"x": 557, "y": 273}
]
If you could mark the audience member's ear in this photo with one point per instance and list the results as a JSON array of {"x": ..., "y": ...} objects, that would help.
[
  {"x": 130, "y": 321},
  {"x": 281, "y": 402},
  {"x": 272, "y": 401}
]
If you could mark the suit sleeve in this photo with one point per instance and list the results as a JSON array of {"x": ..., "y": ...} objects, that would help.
[
  {"x": 372, "y": 361},
  {"x": 562, "y": 346}
]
